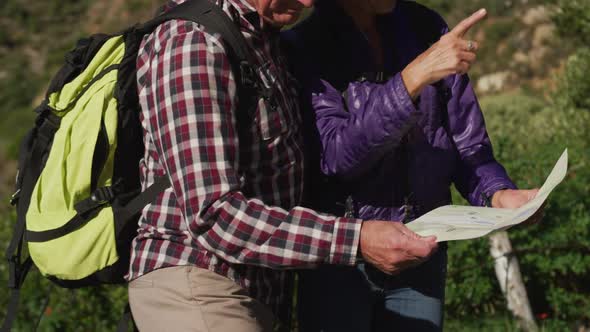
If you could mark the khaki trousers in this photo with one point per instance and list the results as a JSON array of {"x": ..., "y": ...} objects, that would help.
[{"x": 187, "y": 298}]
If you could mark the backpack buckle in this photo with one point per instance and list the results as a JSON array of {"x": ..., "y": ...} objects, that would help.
[
  {"x": 42, "y": 109},
  {"x": 103, "y": 195},
  {"x": 14, "y": 198},
  {"x": 98, "y": 198},
  {"x": 248, "y": 74}
]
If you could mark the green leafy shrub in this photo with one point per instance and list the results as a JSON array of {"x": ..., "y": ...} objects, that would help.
[
  {"x": 575, "y": 87},
  {"x": 529, "y": 136},
  {"x": 573, "y": 20}
]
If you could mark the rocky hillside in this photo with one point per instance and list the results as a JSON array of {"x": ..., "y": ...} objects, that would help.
[{"x": 520, "y": 46}]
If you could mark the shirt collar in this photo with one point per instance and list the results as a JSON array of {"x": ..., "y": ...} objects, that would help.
[{"x": 242, "y": 11}]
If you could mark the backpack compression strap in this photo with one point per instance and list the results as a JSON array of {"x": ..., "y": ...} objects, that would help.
[
  {"x": 34, "y": 149},
  {"x": 18, "y": 272}
]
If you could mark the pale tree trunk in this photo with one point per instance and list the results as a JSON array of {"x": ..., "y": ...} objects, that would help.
[{"x": 510, "y": 279}]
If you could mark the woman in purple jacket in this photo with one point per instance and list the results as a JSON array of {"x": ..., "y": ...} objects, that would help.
[{"x": 392, "y": 122}]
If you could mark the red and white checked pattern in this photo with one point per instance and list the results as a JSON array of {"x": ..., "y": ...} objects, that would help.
[{"x": 232, "y": 205}]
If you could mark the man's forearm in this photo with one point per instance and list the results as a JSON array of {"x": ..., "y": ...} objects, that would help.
[{"x": 246, "y": 231}]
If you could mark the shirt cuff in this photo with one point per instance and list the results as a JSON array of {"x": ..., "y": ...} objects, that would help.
[{"x": 345, "y": 241}]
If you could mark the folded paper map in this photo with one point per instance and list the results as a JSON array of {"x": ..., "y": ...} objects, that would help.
[{"x": 456, "y": 222}]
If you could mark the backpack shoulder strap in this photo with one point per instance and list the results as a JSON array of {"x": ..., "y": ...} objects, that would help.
[
  {"x": 209, "y": 15},
  {"x": 214, "y": 20}
]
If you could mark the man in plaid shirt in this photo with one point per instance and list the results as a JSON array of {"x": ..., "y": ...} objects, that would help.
[{"x": 212, "y": 250}]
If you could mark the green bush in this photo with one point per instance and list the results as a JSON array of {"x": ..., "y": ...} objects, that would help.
[
  {"x": 573, "y": 20},
  {"x": 529, "y": 136},
  {"x": 575, "y": 87}
]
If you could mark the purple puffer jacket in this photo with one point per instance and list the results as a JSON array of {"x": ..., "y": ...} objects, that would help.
[{"x": 395, "y": 158}]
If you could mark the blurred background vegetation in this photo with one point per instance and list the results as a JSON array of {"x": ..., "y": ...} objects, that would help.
[{"x": 533, "y": 79}]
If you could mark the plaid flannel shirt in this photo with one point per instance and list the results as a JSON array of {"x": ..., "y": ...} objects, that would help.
[{"x": 232, "y": 204}]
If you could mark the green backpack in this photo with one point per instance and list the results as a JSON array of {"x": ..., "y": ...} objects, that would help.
[{"x": 78, "y": 192}]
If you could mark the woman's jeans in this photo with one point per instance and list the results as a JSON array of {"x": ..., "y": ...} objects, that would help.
[{"x": 363, "y": 299}]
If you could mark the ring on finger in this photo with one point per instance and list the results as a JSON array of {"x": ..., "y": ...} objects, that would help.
[{"x": 470, "y": 45}]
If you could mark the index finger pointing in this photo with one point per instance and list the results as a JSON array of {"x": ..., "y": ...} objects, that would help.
[{"x": 461, "y": 29}]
